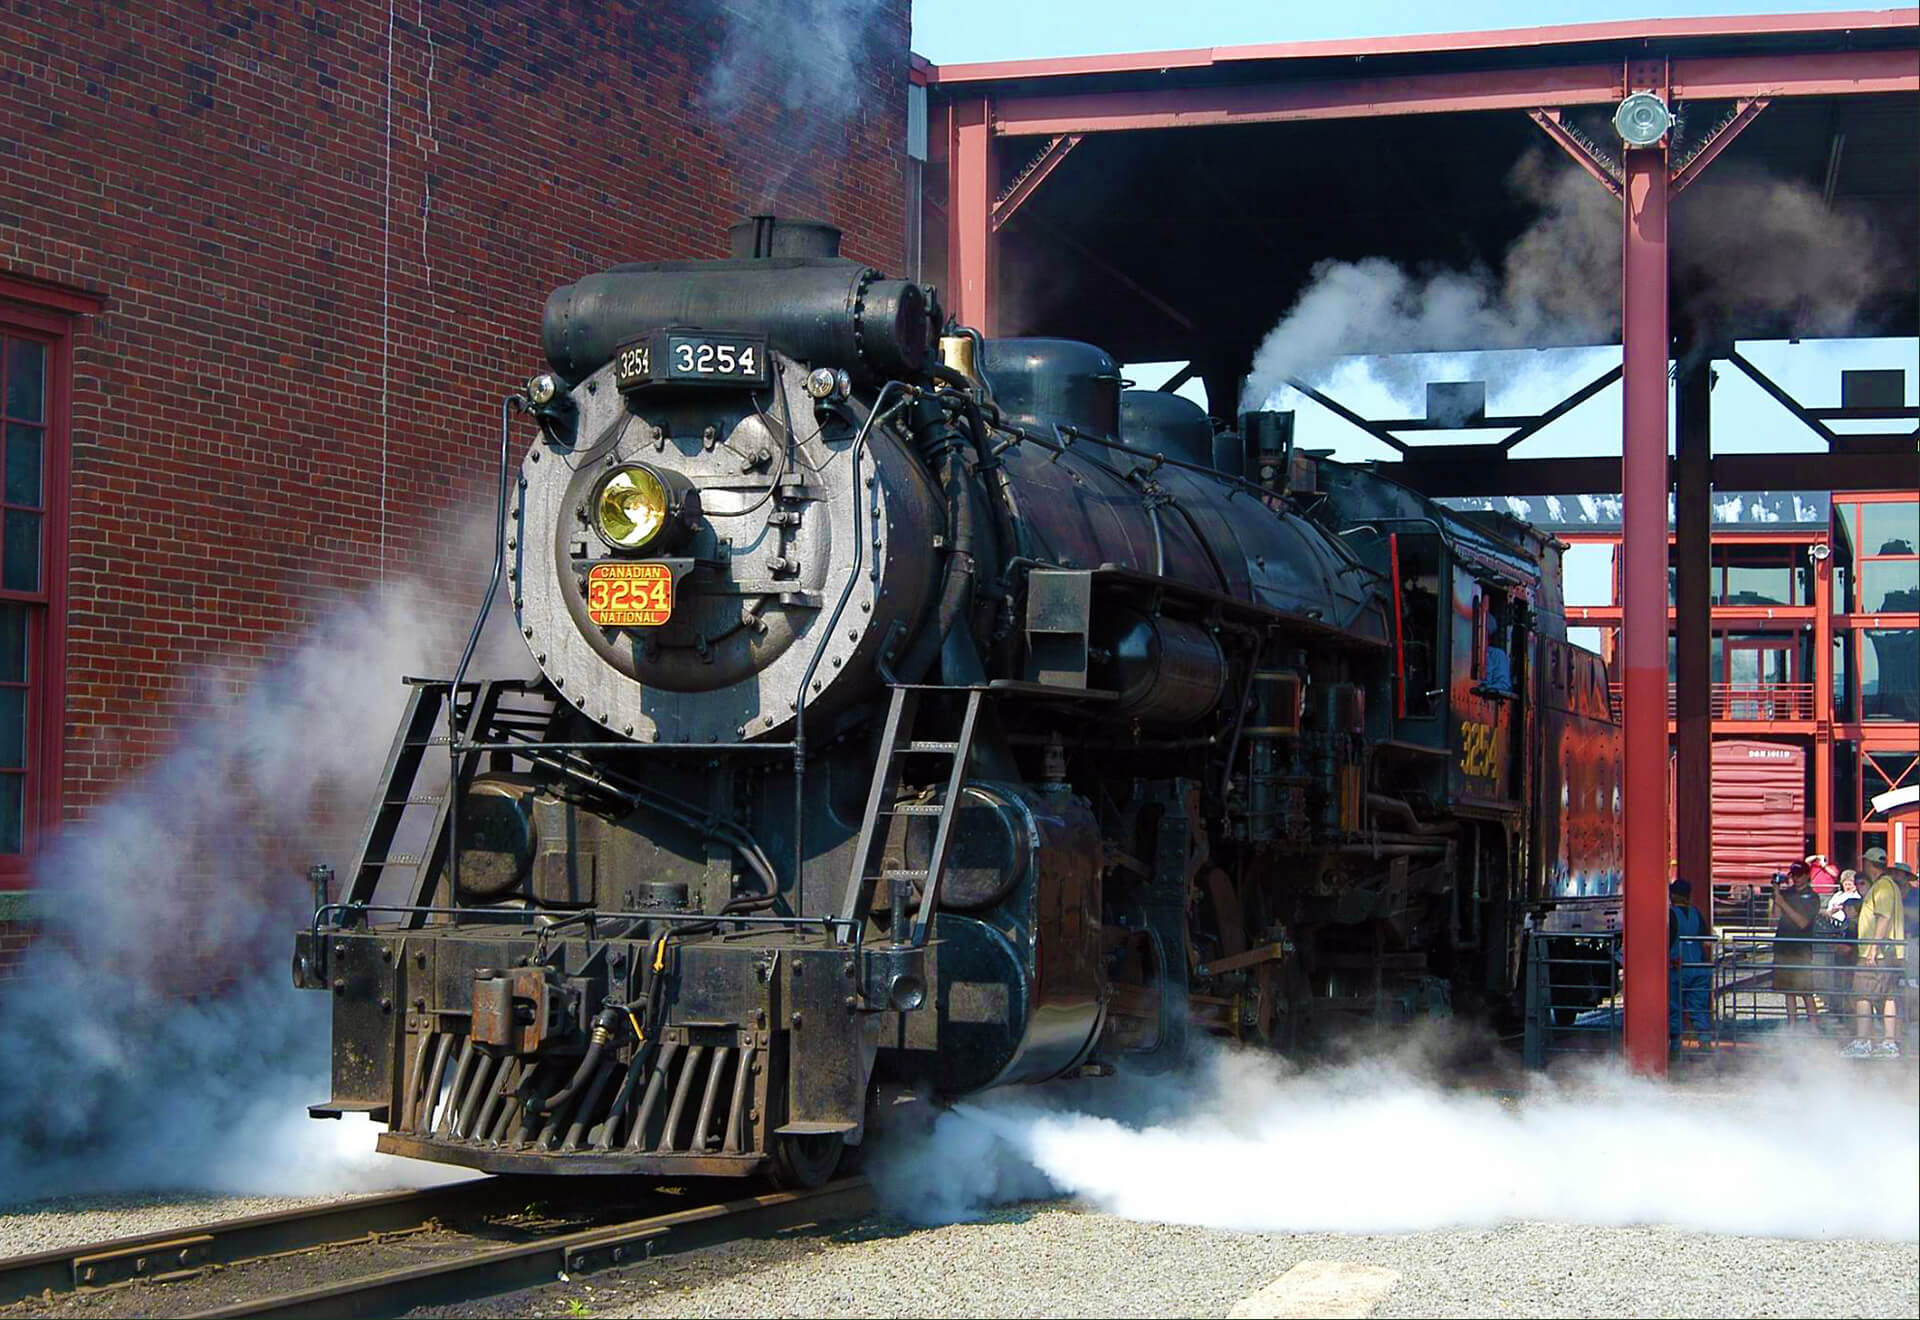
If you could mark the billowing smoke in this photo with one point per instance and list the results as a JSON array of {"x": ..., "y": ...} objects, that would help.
[
  {"x": 1559, "y": 283},
  {"x": 1743, "y": 246},
  {"x": 806, "y": 56},
  {"x": 1747, "y": 246},
  {"x": 806, "y": 62},
  {"x": 154, "y": 1038},
  {"x": 1247, "y": 1142}
]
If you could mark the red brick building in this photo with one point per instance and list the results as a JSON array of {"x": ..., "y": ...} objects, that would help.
[{"x": 266, "y": 271}]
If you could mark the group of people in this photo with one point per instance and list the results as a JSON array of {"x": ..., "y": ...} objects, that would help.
[
  {"x": 1850, "y": 950},
  {"x": 1847, "y": 947}
]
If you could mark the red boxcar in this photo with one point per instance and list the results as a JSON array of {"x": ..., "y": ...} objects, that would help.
[{"x": 1759, "y": 822}]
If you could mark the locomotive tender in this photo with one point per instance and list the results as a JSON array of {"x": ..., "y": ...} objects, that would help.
[{"x": 923, "y": 711}]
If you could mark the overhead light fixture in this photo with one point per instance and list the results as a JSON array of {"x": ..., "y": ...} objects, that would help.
[{"x": 1642, "y": 119}]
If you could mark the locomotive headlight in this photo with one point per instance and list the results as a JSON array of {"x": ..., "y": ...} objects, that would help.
[
  {"x": 630, "y": 507},
  {"x": 542, "y": 389}
]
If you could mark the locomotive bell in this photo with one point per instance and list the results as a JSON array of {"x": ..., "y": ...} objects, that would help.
[{"x": 956, "y": 351}]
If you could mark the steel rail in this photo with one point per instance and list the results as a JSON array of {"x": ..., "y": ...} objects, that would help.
[
  {"x": 179, "y": 1253},
  {"x": 506, "y": 1268}
]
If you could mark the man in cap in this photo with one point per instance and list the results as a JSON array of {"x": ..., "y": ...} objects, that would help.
[{"x": 1877, "y": 982}]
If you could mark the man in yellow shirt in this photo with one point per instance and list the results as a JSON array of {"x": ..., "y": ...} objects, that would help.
[{"x": 1879, "y": 969}]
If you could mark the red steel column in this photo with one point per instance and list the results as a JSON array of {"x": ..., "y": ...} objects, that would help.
[
  {"x": 1643, "y": 479},
  {"x": 1693, "y": 614},
  {"x": 1823, "y": 701},
  {"x": 970, "y": 196}
]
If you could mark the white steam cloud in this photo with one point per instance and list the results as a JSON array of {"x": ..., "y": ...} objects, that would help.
[
  {"x": 154, "y": 1038},
  {"x": 1743, "y": 246},
  {"x": 801, "y": 55},
  {"x": 807, "y": 61},
  {"x": 1247, "y": 1142}
]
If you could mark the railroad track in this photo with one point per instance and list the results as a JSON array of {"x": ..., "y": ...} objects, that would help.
[{"x": 165, "y": 1271}]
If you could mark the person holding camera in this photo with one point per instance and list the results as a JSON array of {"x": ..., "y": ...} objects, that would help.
[{"x": 1796, "y": 909}]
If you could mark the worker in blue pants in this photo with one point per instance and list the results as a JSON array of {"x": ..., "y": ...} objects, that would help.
[{"x": 1689, "y": 965}]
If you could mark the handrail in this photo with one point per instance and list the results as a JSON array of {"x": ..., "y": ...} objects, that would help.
[
  {"x": 1742, "y": 701},
  {"x": 328, "y": 917}
]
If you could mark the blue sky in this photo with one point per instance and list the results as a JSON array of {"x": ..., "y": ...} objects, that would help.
[{"x": 963, "y": 31}]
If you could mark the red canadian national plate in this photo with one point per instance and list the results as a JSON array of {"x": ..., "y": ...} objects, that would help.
[{"x": 629, "y": 595}]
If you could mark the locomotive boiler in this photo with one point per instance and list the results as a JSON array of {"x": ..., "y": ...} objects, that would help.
[{"x": 928, "y": 711}]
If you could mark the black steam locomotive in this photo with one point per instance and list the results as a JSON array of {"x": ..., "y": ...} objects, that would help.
[{"x": 923, "y": 711}]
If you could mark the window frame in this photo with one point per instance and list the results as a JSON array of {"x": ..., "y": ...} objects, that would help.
[{"x": 48, "y": 314}]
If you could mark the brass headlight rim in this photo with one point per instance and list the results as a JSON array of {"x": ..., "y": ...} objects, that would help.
[{"x": 667, "y": 509}]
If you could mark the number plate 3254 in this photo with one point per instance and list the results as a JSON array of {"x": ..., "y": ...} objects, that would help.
[
  {"x": 691, "y": 357},
  {"x": 630, "y": 595}
]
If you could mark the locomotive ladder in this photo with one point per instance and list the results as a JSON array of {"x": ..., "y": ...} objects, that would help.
[
  {"x": 422, "y": 727},
  {"x": 896, "y": 741}
]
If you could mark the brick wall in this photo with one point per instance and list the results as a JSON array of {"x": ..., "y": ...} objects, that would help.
[{"x": 324, "y": 243}]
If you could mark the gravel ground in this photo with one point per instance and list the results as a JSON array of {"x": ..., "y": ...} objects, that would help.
[
  {"x": 65, "y": 1221},
  {"x": 1055, "y": 1259}
]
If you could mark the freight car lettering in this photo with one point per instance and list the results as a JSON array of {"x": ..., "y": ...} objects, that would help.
[
  {"x": 1477, "y": 750},
  {"x": 629, "y": 595}
]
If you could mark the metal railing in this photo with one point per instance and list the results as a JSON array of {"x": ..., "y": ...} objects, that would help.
[
  {"x": 1753, "y": 992},
  {"x": 1769, "y": 989},
  {"x": 1741, "y": 701},
  {"x": 1573, "y": 996}
]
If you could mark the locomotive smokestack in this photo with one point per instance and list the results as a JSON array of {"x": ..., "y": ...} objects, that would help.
[
  {"x": 1269, "y": 441},
  {"x": 764, "y": 236}
]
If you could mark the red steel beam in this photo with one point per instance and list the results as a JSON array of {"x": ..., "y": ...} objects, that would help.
[
  {"x": 970, "y": 217},
  {"x": 1644, "y": 604},
  {"x": 1809, "y": 73},
  {"x": 1033, "y": 176},
  {"x": 1744, "y": 113},
  {"x": 1346, "y": 98},
  {"x": 1796, "y": 73},
  {"x": 1554, "y": 127}
]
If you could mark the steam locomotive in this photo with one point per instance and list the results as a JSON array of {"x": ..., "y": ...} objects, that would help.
[{"x": 923, "y": 711}]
